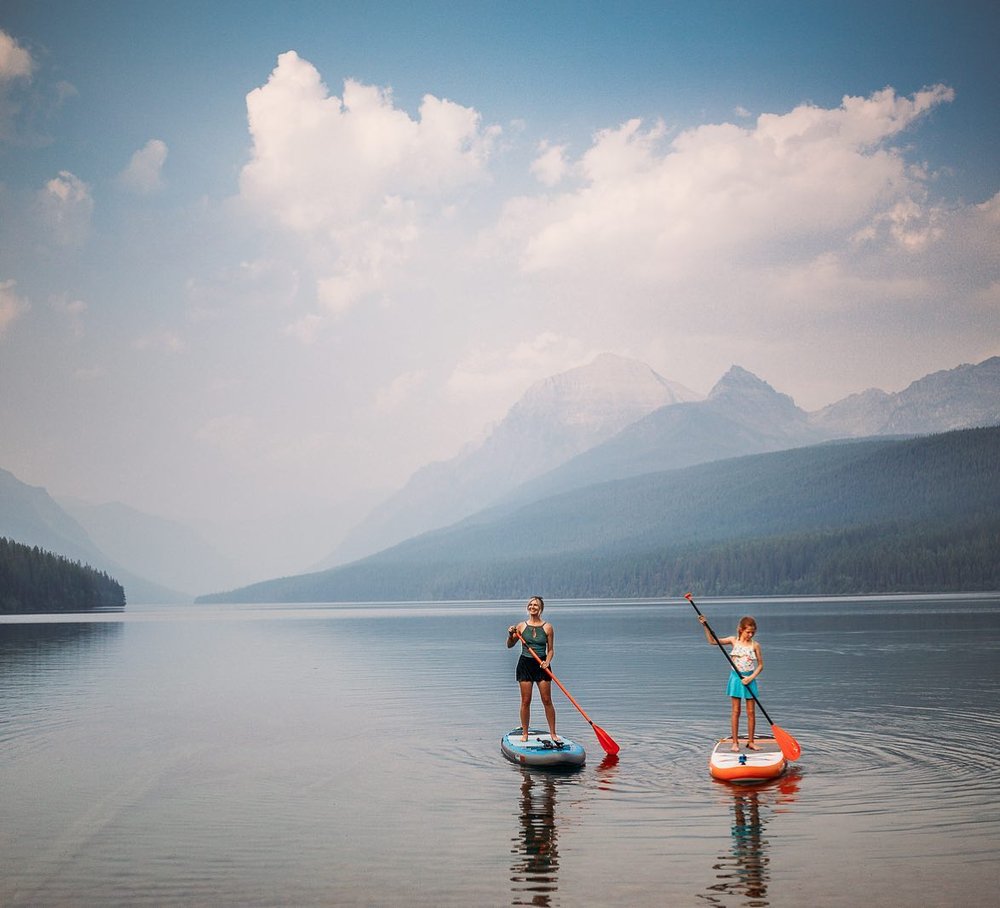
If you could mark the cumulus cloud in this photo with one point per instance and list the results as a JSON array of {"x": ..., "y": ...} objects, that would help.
[
  {"x": 65, "y": 206},
  {"x": 15, "y": 61},
  {"x": 802, "y": 179},
  {"x": 356, "y": 174},
  {"x": 16, "y": 68},
  {"x": 12, "y": 305},
  {"x": 319, "y": 162},
  {"x": 551, "y": 165},
  {"x": 144, "y": 174}
]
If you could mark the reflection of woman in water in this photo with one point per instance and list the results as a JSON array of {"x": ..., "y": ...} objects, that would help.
[{"x": 534, "y": 871}]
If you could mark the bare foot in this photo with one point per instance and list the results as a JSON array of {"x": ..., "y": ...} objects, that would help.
[
  {"x": 752, "y": 746},
  {"x": 524, "y": 737},
  {"x": 736, "y": 747}
]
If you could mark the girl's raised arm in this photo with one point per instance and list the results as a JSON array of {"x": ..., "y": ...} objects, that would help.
[{"x": 726, "y": 641}]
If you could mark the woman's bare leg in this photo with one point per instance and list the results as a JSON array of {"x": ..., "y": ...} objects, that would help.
[
  {"x": 545, "y": 692},
  {"x": 525, "y": 708}
]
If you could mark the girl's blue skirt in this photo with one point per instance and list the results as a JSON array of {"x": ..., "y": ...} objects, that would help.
[{"x": 736, "y": 688}]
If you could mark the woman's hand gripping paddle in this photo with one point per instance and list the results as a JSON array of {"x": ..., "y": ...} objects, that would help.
[
  {"x": 606, "y": 741},
  {"x": 789, "y": 746}
]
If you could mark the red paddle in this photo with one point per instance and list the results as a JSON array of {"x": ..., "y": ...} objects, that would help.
[
  {"x": 606, "y": 741},
  {"x": 789, "y": 746}
]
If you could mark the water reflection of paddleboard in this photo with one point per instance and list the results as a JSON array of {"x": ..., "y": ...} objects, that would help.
[
  {"x": 747, "y": 765},
  {"x": 541, "y": 750}
]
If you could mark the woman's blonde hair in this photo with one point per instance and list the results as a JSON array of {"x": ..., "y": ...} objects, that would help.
[{"x": 540, "y": 601}]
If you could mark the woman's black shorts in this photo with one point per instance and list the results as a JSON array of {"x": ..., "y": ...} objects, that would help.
[{"x": 528, "y": 669}]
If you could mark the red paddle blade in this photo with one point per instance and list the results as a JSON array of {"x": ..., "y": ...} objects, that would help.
[
  {"x": 789, "y": 746},
  {"x": 606, "y": 741}
]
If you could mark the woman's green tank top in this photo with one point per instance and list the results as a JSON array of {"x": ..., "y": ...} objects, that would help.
[{"x": 537, "y": 639}]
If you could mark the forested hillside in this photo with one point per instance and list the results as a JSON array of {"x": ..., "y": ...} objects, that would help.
[
  {"x": 32, "y": 580},
  {"x": 852, "y": 517}
]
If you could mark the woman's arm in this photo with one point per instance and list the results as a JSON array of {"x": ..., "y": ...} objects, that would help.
[
  {"x": 550, "y": 648},
  {"x": 512, "y": 635}
]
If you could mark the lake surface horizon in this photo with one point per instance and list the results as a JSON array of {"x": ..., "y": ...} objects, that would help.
[{"x": 348, "y": 754}]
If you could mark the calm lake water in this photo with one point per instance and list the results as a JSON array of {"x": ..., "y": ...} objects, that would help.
[{"x": 349, "y": 755}]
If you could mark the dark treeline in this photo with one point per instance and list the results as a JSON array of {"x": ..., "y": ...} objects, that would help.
[{"x": 33, "y": 580}]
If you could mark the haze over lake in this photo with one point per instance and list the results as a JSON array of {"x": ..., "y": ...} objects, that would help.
[{"x": 349, "y": 755}]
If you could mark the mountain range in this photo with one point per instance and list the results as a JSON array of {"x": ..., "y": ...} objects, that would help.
[
  {"x": 869, "y": 515},
  {"x": 741, "y": 415},
  {"x": 614, "y": 419},
  {"x": 556, "y": 419},
  {"x": 29, "y": 515}
]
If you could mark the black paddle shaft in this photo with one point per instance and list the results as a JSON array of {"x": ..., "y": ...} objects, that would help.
[{"x": 729, "y": 659}]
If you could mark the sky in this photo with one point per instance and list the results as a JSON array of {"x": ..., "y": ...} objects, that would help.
[{"x": 261, "y": 261}]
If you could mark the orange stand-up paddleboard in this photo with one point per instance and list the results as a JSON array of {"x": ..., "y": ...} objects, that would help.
[{"x": 747, "y": 765}]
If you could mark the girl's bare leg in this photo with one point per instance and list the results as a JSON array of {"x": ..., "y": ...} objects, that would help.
[
  {"x": 751, "y": 719},
  {"x": 735, "y": 721}
]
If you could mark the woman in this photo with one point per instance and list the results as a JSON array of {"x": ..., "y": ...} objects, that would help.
[{"x": 538, "y": 637}]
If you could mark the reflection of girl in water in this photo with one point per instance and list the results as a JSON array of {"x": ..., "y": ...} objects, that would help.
[
  {"x": 743, "y": 870},
  {"x": 748, "y": 845},
  {"x": 535, "y": 870}
]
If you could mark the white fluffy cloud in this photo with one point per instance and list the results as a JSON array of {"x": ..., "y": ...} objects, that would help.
[
  {"x": 15, "y": 61},
  {"x": 12, "y": 305},
  {"x": 16, "y": 66},
  {"x": 803, "y": 179},
  {"x": 144, "y": 174},
  {"x": 550, "y": 166},
  {"x": 65, "y": 205},
  {"x": 355, "y": 175}
]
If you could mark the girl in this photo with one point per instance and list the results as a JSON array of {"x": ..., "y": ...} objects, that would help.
[
  {"x": 539, "y": 636},
  {"x": 742, "y": 685}
]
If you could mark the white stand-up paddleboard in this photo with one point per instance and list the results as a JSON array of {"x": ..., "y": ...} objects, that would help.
[
  {"x": 541, "y": 750},
  {"x": 747, "y": 765}
]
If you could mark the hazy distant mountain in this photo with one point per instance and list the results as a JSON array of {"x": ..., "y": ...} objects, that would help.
[
  {"x": 959, "y": 398},
  {"x": 29, "y": 515},
  {"x": 166, "y": 552},
  {"x": 556, "y": 419},
  {"x": 849, "y": 516},
  {"x": 741, "y": 415}
]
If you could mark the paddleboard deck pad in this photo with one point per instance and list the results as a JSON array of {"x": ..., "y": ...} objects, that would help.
[
  {"x": 747, "y": 765},
  {"x": 541, "y": 750}
]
